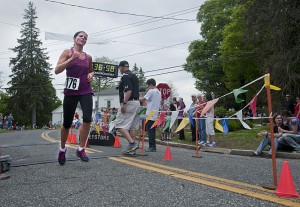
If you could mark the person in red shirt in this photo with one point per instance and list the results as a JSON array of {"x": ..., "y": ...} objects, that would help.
[{"x": 297, "y": 107}]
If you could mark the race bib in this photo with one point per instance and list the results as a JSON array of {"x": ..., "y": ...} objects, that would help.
[{"x": 72, "y": 83}]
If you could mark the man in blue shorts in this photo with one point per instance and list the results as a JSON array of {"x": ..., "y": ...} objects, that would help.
[{"x": 127, "y": 120}]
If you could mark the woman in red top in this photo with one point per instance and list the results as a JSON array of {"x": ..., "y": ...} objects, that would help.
[{"x": 297, "y": 111}]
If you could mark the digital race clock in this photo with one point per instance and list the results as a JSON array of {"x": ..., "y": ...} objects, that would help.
[{"x": 105, "y": 70}]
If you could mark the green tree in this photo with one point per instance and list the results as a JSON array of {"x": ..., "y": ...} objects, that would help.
[
  {"x": 32, "y": 95},
  {"x": 238, "y": 56},
  {"x": 274, "y": 28},
  {"x": 140, "y": 74},
  {"x": 4, "y": 97},
  {"x": 204, "y": 59},
  {"x": 105, "y": 82}
]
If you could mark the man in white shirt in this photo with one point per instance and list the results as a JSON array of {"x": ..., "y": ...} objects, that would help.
[{"x": 153, "y": 99}]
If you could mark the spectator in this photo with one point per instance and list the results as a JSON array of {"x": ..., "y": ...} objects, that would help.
[
  {"x": 278, "y": 121},
  {"x": 181, "y": 107},
  {"x": 153, "y": 98},
  {"x": 288, "y": 104},
  {"x": 174, "y": 104},
  {"x": 201, "y": 122},
  {"x": 9, "y": 120},
  {"x": 193, "y": 121},
  {"x": 297, "y": 106},
  {"x": 209, "y": 122},
  {"x": 290, "y": 137},
  {"x": 1, "y": 121}
]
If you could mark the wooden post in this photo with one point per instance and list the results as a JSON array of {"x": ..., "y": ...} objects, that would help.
[{"x": 271, "y": 132}]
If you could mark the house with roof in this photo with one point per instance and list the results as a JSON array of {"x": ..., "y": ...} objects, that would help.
[{"x": 102, "y": 100}]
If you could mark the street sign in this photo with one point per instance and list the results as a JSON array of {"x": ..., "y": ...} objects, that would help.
[
  {"x": 105, "y": 70},
  {"x": 165, "y": 90}
]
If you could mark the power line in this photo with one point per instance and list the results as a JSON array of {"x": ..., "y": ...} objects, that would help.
[
  {"x": 152, "y": 50},
  {"x": 116, "y": 29},
  {"x": 115, "y": 12}
]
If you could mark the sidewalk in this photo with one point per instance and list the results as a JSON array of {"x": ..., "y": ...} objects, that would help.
[{"x": 285, "y": 155}]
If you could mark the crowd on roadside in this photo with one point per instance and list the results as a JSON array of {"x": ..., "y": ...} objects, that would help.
[
  {"x": 204, "y": 131},
  {"x": 6, "y": 122},
  {"x": 286, "y": 128}
]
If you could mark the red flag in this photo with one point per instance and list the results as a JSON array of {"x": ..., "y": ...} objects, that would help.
[
  {"x": 253, "y": 105},
  {"x": 161, "y": 119},
  {"x": 104, "y": 129}
]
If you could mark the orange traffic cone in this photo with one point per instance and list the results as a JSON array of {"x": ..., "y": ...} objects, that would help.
[
  {"x": 73, "y": 139},
  {"x": 168, "y": 155},
  {"x": 87, "y": 144},
  {"x": 117, "y": 142},
  {"x": 286, "y": 187},
  {"x": 69, "y": 139}
]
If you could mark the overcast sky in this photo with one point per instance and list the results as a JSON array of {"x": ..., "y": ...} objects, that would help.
[{"x": 125, "y": 35}]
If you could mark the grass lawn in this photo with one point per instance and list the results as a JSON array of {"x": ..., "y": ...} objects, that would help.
[{"x": 242, "y": 139}]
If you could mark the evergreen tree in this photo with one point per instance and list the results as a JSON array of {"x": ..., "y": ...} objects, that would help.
[
  {"x": 32, "y": 95},
  {"x": 140, "y": 75}
]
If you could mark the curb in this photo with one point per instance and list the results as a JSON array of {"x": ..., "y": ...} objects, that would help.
[{"x": 249, "y": 153}]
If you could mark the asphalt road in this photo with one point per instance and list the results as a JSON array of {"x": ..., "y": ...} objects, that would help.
[{"x": 110, "y": 179}]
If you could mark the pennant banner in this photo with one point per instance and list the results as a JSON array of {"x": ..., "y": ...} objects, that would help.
[
  {"x": 218, "y": 126},
  {"x": 155, "y": 123},
  {"x": 69, "y": 38},
  {"x": 173, "y": 118},
  {"x": 239, "y": 115},
  {"x": 209, "y": 105},
  {"x": 162, "y": 117},
  {"x": 151, "y": 113},
  {"x": 275, "y": 88},
  {"x": 253, "y": 105},
  {"x": 142, "y": 111},
  {"x": 225, "y": 126},
  {"x": 183, "y": 123},
  {"x": 112, "y": 117},
  {"x": 237, "y": 92},
  {"x": 112, "y": 126},
  {"x": 97, "y": 129},
  {"x": 167, "y": 125},
  {"x": 104, "y": 129}
]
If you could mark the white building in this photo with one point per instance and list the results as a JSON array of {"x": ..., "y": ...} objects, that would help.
[{"x": 108, "y": 98}]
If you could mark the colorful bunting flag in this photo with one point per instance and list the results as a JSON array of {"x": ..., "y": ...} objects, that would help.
[
  {"x": 237, "y": 92},
  {"x": 275, "y": 88},
  {"x": 173, "y": 117},
  {"x": 111, "y": 126},
  {"x": 208, "y": 106},
  {"x": 104, "y": 118},
  {"x": 225, "y": 126},
  {"x": 239, "y": 115},
  {"x": 183, "y": 123},
  {"x": 104, "y": 129},
  {"x": 162, "y": 117},
  {"x": 142, "y": 111},
  {"x": 112, "y": 117},
  {"x": 151, "y": 113},
  {"x": 267, "y": 83},
  {"x": 218, "y": 126},
  {"x": 97, "y": 129},
  {"x": 167, "y": 125},
  {"x": 253, "y": 105}
]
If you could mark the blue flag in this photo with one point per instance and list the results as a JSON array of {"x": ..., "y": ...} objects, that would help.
[{"x": 225, "y": 126}]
